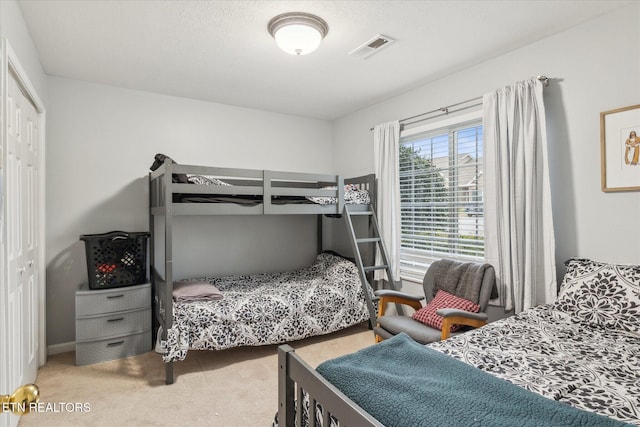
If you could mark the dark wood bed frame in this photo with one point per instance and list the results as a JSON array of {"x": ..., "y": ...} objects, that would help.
[{"x": 262, "y": 184}]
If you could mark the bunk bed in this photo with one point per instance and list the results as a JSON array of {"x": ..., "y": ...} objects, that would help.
[
  {"x": 184, "y": 190},
  {"x": 574, "y": 363}
]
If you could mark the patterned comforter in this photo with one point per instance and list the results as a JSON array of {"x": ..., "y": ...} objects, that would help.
[
  {"x": 541, "y": 350},
  {"x": 267, "y": 309}
]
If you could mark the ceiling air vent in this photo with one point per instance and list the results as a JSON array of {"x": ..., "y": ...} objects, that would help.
[{"x": 372, "y": 46}]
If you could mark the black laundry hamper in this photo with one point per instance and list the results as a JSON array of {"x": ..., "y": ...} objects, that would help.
[{"x": 116, "y": 259}]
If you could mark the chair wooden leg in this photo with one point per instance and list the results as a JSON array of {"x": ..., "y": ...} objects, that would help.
[
  {"x": 446, "y": 329},
  {"x": 381, "y": 309}
]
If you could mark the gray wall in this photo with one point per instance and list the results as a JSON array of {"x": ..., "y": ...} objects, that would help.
[
  {"x": 101, "y": 142},
  {"x": 595, "y": 67}
]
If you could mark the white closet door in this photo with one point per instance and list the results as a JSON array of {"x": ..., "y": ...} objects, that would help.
[
  {"x": 30, "y": 198},
  {"x": 22, "y": 200}
]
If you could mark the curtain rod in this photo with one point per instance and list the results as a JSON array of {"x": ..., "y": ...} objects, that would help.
[{"x": 445, "y": 110}]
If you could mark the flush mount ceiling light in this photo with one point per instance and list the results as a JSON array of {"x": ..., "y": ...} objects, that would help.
[{"x": 298, "y": 33}]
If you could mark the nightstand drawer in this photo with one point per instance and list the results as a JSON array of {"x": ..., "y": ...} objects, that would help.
[
  {"x": 112, "y": 300},
  {"x": 113, "y": 324},
  {"x": 115, "y": 348}
]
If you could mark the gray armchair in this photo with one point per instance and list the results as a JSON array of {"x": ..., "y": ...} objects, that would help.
[{"x": 463, "y": 280}]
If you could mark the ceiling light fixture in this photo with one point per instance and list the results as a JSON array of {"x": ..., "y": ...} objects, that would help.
[{"x": 298, "y": 33}]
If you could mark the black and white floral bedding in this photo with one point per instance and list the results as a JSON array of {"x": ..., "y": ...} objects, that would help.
[
  {"x": 544, "y": 351},
  {"x": 352, "y": 196},
  {"x": 206, "y": 180},
  {"x": 270, "y": 308}
]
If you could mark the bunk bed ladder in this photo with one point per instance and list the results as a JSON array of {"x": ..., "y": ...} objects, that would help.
[{"x": 364, "y": 271}]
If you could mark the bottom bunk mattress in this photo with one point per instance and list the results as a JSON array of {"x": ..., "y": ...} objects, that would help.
[{"x": 264, "y": 309}]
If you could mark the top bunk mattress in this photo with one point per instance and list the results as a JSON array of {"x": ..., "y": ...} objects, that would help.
[{"x": 352, "y": 195}]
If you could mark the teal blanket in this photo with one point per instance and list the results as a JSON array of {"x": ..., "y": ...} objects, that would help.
[{"x": 402, "y": 383}]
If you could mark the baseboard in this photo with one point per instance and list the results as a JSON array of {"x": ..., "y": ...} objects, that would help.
[{"x": 61, "y": 348}]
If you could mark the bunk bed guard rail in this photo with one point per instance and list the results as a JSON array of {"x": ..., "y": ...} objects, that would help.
[{"x": 270, "y": 191}]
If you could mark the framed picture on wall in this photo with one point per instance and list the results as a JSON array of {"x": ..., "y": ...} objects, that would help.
[{"x": 620, "y": 149}]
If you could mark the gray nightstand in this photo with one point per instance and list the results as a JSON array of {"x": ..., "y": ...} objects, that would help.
[{"x": 112, "y": 323}]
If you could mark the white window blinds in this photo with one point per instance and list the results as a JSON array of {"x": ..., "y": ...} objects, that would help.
[{"x": 441, "y": 197}]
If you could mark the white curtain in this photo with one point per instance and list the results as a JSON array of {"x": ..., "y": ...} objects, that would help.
[
  {"x": 386, "y": 143},
  {"x": 519, "y": 238}
]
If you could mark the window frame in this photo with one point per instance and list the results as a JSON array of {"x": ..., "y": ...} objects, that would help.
[{"x": 474, "y": 118}]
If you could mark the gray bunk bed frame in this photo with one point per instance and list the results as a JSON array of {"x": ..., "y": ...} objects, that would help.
[{"x": 245, "y": 182}]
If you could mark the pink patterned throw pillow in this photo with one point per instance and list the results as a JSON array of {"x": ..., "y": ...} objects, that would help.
[{"x": 428, "y": 316}]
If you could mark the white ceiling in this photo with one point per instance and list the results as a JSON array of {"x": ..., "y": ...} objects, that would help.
[{"x": 221, "y": 51}]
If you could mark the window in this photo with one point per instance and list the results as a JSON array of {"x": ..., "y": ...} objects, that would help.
[{"x": 441, "y": 194}]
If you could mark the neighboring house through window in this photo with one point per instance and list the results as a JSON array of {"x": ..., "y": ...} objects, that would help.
[{"x": 441, "y": 193}]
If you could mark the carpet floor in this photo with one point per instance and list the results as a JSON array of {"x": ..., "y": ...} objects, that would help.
[{"x": 236, "y": 387}]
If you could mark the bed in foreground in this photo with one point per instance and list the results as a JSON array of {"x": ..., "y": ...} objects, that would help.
[{"x": 574, "y": 362}]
